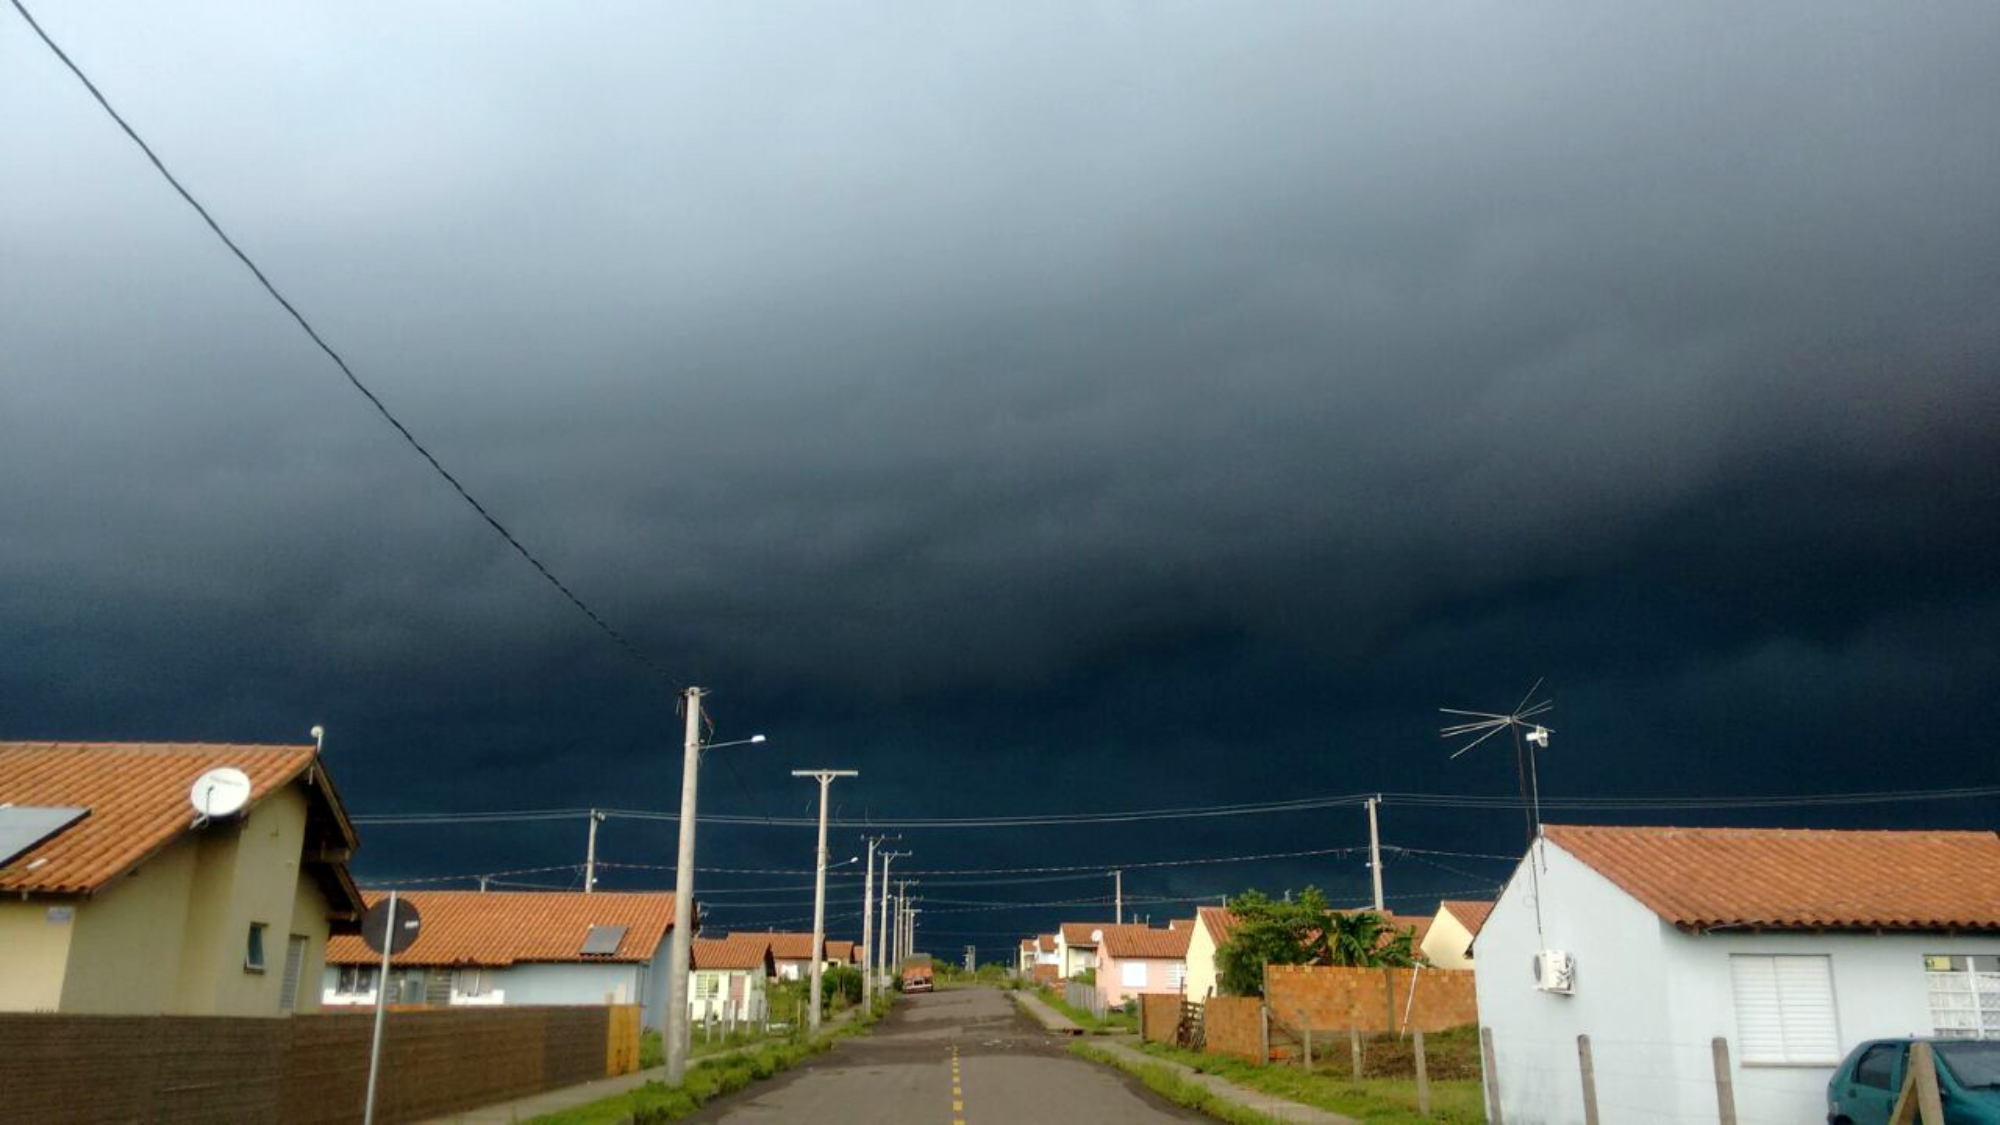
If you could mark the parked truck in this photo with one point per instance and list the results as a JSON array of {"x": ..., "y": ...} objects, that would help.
[{"x": 917, "y": 974}]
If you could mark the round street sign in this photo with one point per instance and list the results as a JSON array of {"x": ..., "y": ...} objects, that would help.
[{"x": 376, "y": 923}]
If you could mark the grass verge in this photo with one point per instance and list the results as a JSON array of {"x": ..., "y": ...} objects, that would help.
[
  {"x": 1115, "y": 1021},
  {"x": 656, "y": 1102},
  {"x": 1380, "y": 1101},
  {"x": 1168, "y": 1083}
]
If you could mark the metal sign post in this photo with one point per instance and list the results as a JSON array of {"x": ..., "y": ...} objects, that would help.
[{"x": 388, "y": 931}]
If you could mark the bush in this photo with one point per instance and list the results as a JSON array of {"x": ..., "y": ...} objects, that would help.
[{"x": 652, "y": 1050}]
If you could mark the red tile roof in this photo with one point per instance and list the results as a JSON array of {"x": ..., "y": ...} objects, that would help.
[
  {"x": 1145, "y": 941},
  {"x": 842, "y": 951},
  {"x": 1760, "y": 878},
  {"x": 1470, "y": 913},
  {"x": 1420, "y": 923},
  {"x": 1028, "y": 945},
  {"x": 500, "y": 928},
  {"x": 736, "y": 951},
  {"x": 1047, "y": 942},
  {"x": 1079, "y": 933},
  {"x": 137, "y": 794},
  {"x": 1218, "y": 921},
  {"x": 791, "y": 947}
]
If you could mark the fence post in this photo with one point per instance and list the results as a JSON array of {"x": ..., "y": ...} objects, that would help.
[
  {"x": 1354, "y": 1045},
  {"x": 1424, "y": 1080},
  {"x": 1725, "y": 1086},
  {"x": 1264, "y": 1034},
  {"x": 1309, "y": 1048},
  {"x": 1389, "y": 999},
  {"x": 1588, "y": 1069},
  {"x": 1492, "y": 1073}
]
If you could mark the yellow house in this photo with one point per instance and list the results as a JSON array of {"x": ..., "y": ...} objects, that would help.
[
  {"x": 1211, "y": 928},
  {"x": 1448, "y": 944},
  {"x": 117, "y": 897}
]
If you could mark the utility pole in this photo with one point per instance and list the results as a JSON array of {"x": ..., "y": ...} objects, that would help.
[
  {"x": 970, "y": 968},
  {"x": 868, "y": 924},
  {"x": 881, "y": 956},
  {"x": 590, "y": 854},
  {"x": 1375, "y": 850},
  {"x": 681, "y": 944},
  {"x": 1118, "y": 895},
  {"x": 825, "y": 779}
]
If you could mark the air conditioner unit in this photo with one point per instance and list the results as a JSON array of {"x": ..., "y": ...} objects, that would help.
[{"x": 1555, "y": 971}]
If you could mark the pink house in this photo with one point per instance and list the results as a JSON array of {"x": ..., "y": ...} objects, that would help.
[{"x": 1136, "y": 959}]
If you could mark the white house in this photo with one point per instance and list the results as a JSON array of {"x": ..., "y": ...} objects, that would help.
[
  {"x": 1787, "y": 947},
  {"x": 1076, "y": 947},
  {"x": 1447, "y": 944},
  {"x": 1206, "y": 934},
  {"x": 729, "y": 977},
  {"x": 517, "y": 947}
]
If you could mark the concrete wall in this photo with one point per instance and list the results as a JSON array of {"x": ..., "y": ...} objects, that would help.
[
  {"x": 36, "y": 953},
  {"x": 1652, "y": 999},
  {"x": 1447, "y": 942},
  {"x": 1328, "y": 998}
]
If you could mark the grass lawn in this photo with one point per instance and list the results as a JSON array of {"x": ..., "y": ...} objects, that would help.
[
  {"x": 1115, "y": 1020},
  {"x": 1390, "y": 1101},
  {"x": 1169, "y": 1084}
]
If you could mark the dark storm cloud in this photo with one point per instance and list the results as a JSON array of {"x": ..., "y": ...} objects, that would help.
[{"x": 962, "y": 390}]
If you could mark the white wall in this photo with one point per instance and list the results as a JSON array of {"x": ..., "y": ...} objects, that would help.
[{"x": 1652, "y": 998}]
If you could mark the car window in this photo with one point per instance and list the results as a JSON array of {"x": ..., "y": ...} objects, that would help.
[
  {"x": 1878, "y": 1066},
  {"x": 1974, "y": 1063}
]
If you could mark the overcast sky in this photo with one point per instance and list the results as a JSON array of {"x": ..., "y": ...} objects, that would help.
[{"x": 1037, "y": 407}]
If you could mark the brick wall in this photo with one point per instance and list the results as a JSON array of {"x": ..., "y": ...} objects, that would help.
[
  {"x": 1234, "y": 1025},
  {"x": 1159, "y": 1016},
  {"x": 1327, "y": 998},
  {"x": 306, "y": 1069}
]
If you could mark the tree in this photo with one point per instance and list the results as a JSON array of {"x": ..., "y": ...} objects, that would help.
[
  {"x": 1270, "y": 932},
  {"x": 1304, "y": 931}
]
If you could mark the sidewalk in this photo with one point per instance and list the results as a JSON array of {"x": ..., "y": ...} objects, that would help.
[
  {"x": 569, "y": 1097},
  {"x": 1270, "y": 1105},
  {"x": 1049, "y": 1018}
]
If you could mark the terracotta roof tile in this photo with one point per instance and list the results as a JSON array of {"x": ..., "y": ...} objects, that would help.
[
  {"x": 791, "y": 947},
  {"x": 1079, "y": 933},
  {"x": 500, "y": 928},
  {"x": 1218, "y": 920},
  {"x": 1047, "y": 942},
  {"x": 1470, "y": 913},
  {"x": 842, "y": 951},
  {"x": 1028, "y": 945},
  {"x": 1145, "y": 941},
  {"x": 137, "y": 794},
  {"x": 736, "y": 951},
  {"x": 1705, "y": 878}
]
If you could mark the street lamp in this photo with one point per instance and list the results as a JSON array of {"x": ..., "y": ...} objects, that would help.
[
  {"x": 825, "y": 779},
  {"x": 679, "y": 959}
]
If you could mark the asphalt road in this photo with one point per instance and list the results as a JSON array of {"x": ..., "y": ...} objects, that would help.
[{"x": 960, "y": 1057}]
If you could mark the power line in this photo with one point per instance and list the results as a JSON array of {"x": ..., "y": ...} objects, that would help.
[{"x": 464, "y": 494}]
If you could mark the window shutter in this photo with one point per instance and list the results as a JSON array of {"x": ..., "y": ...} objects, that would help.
[
  {"x": 1784, "y": 1009},
  {"x": 295, "y": 959}
]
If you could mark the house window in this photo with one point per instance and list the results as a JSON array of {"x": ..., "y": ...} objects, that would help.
[
  {"x": 1965, "y": 995},
  {"x": 1177, "y": 975},
  {"x": 707, "y": 986},
  {"x": 355, "y": 980},
  {"x": 253, "y": 953},
  {"x": 1132, "y": 974},
  {"x": 472, "y": 982},
  {"x": 1784, "y": 1010}
]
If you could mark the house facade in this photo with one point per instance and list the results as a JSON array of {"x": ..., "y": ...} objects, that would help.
[
  {"x": 517, "y": 947},
  {"x": 1137, "y": 959},
  {"x": 729, "y": 979},
  {"x": 1076, "y": 948},
  {"x": 1448, "y": 943},
  {"x": 115, "y": 898},
  {"x": 1206, "y": 934},
  {"x": 1789, "y": 947}
]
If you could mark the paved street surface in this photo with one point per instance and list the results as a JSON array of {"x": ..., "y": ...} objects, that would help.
[{"x": 964, "y": 1055}]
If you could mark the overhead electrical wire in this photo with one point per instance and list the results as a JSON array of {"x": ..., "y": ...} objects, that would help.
[{"x": 631, "y": 649}]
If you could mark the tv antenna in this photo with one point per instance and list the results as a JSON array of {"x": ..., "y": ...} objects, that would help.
[{"x": 1529, "y": 736}]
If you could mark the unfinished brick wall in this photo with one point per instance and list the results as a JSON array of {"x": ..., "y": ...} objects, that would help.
[
  {"x": 1159, "y": 1016},
  {"x": 1234, "y": 1025},
  {"x": 307, "y": 1069},
  {"x": 1328, "y": 998}
]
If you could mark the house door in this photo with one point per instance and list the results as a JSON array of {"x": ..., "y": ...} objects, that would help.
[{"x": 295, "y": 961}]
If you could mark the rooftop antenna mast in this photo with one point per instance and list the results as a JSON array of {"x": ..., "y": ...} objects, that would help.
[{"x": 1529, "y": 736}]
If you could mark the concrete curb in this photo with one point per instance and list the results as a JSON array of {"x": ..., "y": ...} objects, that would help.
[
  {"x": 1049, "y": 1018},
  {"x": 1257, "y": 1101}
]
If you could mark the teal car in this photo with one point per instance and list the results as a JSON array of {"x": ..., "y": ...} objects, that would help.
[{"x": 1863, "y": 1090}]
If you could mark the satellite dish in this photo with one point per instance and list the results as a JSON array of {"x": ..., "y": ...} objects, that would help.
[
  {"x": 220, "y": 792},
  {"x": 375, "y": 926}
]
